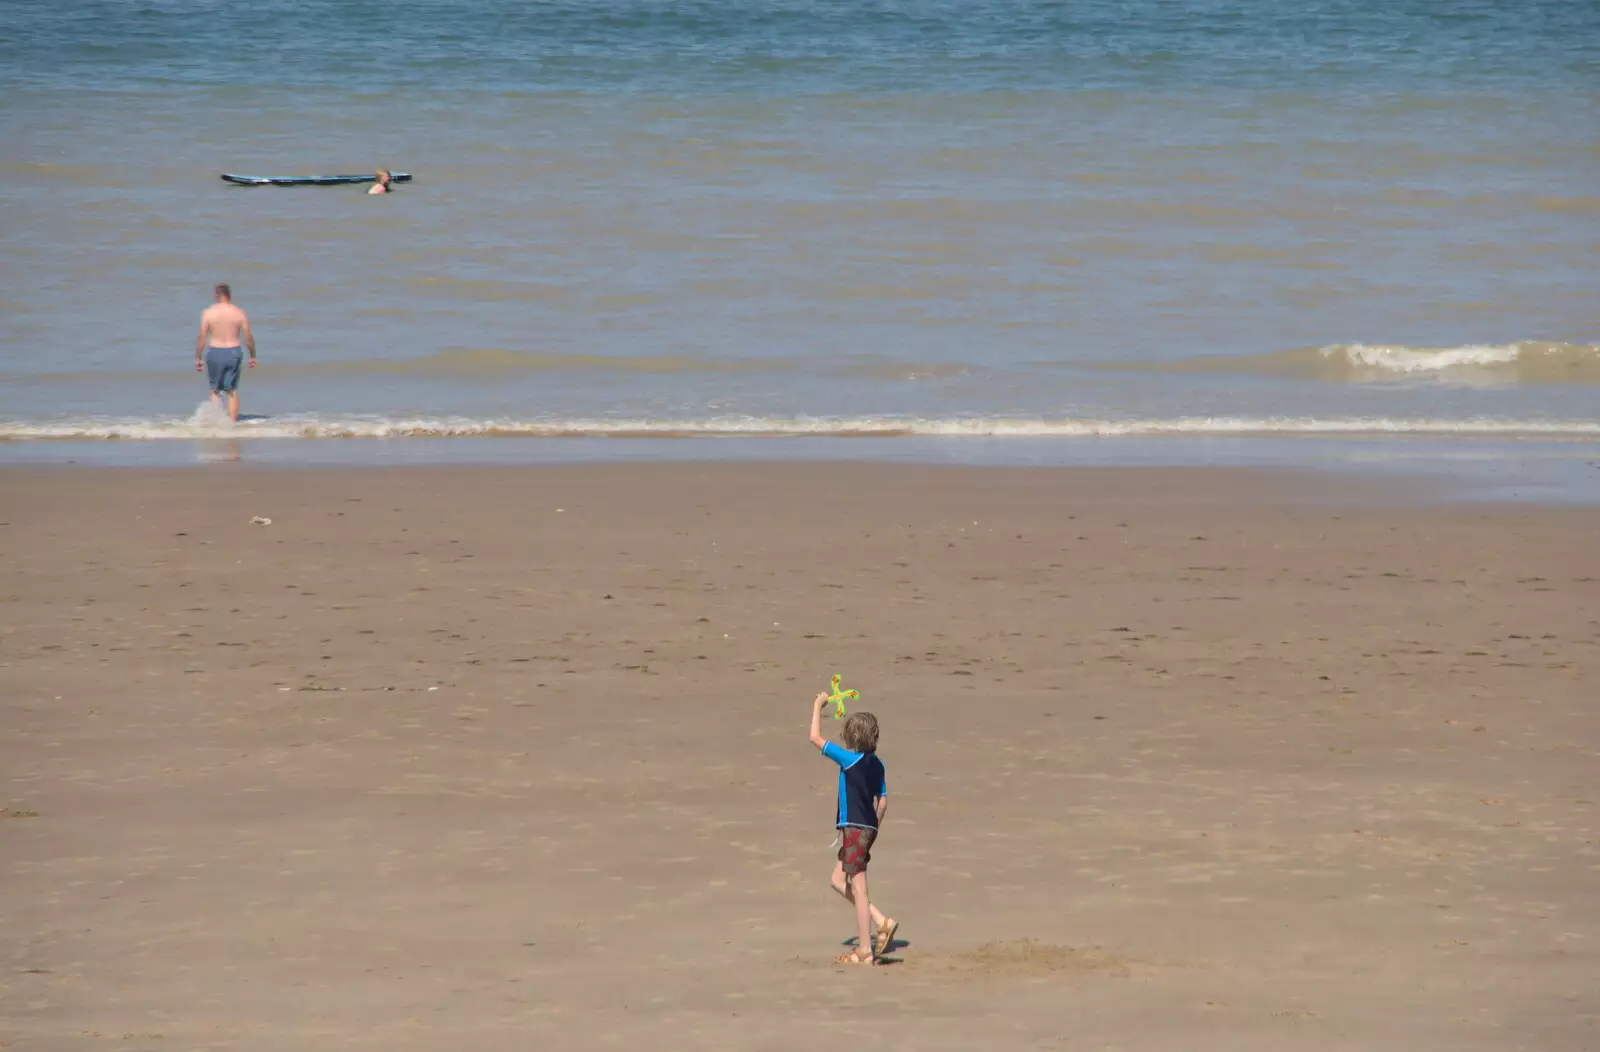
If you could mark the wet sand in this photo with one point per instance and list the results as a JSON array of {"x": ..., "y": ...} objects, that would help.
[{"x": 513, "y": 758}]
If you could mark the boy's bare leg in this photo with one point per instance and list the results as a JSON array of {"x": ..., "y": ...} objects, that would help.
[
  {"x": 842, "y": 886},
  {"x": 864, "y": 924},
  {"x": 233, "y": 406}
]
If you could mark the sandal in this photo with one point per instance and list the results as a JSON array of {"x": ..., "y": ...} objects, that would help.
[
  {"x": 856, "y": 957},
  {"x": 885, "y": 938}
]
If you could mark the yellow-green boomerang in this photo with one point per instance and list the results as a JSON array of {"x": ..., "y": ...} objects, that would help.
[{"x": 838, "y": 696}]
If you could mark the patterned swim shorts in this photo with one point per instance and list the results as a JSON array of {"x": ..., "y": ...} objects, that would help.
[{"x": 855, "y": 848}]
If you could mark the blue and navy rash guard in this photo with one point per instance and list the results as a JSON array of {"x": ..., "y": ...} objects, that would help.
[{"x": 860, "y": 779}]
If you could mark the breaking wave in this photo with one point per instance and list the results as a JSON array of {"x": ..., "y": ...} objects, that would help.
[{"x": 1523, "y": 362}]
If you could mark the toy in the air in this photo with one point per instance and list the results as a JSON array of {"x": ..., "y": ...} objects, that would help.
[{"x": 838, "y": 696}]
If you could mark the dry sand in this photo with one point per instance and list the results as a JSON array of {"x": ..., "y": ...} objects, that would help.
[{"x": 516, "y": 758}]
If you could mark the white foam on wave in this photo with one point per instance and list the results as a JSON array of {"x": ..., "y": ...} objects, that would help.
[
  {"x": 203, "y": 426},
  {"x": 1529, "y": 360},
  {"x": 1414, "y": 360}
]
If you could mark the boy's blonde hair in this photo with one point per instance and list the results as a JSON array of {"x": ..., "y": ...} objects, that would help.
[{"x": 860, "y": 732}]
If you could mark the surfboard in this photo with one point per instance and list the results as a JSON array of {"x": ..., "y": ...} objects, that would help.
[{"x": 309, "y": 180}]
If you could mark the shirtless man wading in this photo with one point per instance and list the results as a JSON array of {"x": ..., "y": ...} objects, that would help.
[{"x": 222, "y": 326}]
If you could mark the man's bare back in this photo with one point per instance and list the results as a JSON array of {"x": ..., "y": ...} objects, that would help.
[{"x": 221, "y": 324}]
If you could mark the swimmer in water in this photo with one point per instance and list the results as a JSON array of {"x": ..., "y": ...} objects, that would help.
[{"x": 384, "y": 183}]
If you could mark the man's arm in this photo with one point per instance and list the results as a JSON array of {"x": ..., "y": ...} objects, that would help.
[
  {"x": 249, "y": 337},
  {"x": 200, "y": 340},
  {"x": 816, "y": 721}
]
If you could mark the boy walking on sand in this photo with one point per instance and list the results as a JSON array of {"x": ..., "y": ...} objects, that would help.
[{"x": 863, "y": 800}]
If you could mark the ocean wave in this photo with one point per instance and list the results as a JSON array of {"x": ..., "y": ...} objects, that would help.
[
  {"x": 466, "y": 363},
  {"x": 1523, "y": 362},
  {"x": 1529, "y": 362},
  {"x": 201, "y": 428}
]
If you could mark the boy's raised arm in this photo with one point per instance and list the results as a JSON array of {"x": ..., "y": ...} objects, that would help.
[{"x": 816, "y": 721}]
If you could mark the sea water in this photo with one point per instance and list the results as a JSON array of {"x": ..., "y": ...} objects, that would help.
[{"x": 945, "y": 220}]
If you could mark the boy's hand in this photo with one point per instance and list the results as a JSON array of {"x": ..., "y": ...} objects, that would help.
[{"x": 816, "y": 721}]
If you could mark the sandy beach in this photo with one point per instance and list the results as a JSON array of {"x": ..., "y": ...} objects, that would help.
[{"x": 515, "y": 758}]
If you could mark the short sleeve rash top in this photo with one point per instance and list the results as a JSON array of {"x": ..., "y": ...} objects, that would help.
[{"x": 861, "y": 779}]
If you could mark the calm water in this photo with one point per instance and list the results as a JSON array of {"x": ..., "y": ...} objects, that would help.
[{"x": 940, "y": 218}]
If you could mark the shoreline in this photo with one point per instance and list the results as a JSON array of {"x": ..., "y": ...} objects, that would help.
[{"x": 1540, "y": 472}]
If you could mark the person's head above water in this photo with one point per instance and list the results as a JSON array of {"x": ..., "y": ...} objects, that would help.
[
  {"x": 223, "y": 293},
  {"x": 383, "y": 176}
]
